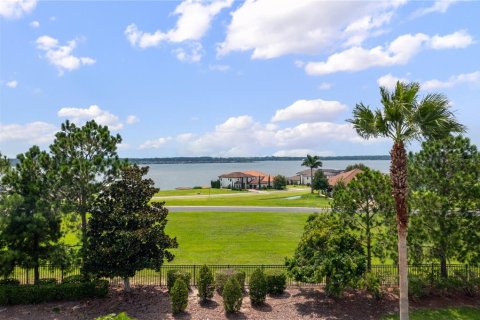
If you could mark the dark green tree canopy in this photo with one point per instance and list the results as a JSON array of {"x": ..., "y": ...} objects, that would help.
[
  {"x": 279, "y": 182},
  {"x": 126, "y": 233},
  {"x": 320, "y": 181},
  {"x": 360, "y": 166}
]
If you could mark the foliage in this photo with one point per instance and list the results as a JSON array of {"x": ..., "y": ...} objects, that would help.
[
  {"x": 179, "y": 296},
  {"x": 276, "y": 281},
  {"x": 29, "y": 218},
  {"x": 320, "y": 181},
  {"x": 45, "y": 281},
  {"x": 74, "y": 279},
  {"x": 462, "y": 313},
  {"x": 279, "y": 182},
  {"x": 27, "y": 294},
  {"x": 125, "y": 232},
  {"x": 206, "y": 284},
  {"x": 444, "y": 177},
  {"x": 373, "y": 284},
  {"x": 258, "y": 287},
  {"x": 360, "y": 166},
  {"x": 86, "y": 160},
  {"x": 328, "y": 249},
  {"x": 9, "y": 281},
  {"x": 215, "y": 184},
  {"x": 367, "y": 206},
  {"x": 222, "y": 277},
  {"x": 232, "y": 296},
  {"x": 312, "y": 162},
  {"x": 120, "y": 316},
  {"x": 173, "y": 275}
]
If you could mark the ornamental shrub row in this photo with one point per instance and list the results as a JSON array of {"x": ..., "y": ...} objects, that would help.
[
  {"x": 27, "y": 294},
  {"x": 222, "y": 276},
  {"x": 173, "y": 275}
]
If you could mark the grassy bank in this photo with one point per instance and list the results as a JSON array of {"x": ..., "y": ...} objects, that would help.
[{"x": 464, "y": 313}]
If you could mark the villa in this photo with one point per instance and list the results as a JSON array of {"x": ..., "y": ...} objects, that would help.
[
  {"x": 245, "y": 180},
  {"x": 305, "y": 178},
  {"x": 344, "y": 177}
]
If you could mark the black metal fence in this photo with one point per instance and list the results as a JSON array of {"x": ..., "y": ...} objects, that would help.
[{"x": 387, "y": 273}]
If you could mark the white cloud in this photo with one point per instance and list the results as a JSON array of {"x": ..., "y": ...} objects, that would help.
[
  {"x": 12, "y": 84},
  {"x": 438, "y": 6},
  {"x": 131, "y": 119},
  {"x": 103, "y": 117},
  {"x": 272, "y": 28},
  {"x": 155, "y": 144},
  {"x": 194, "y": 20},
  {"x": 397, "y": 52},
  {"x": 61, "y": 56},
  {"x": 13, "y": 9},
  {"x": 325, "y": 86},
  {"x": 389, "y": 81},
  {"x": 35, "y": 24},
  {"x": 310, "y": 110},
  {"x": 193, "y": 53},
  {"x": 473, "y": 77},
  {"x": 34, "y": 132},
  {"x": 219, "y": 67}
]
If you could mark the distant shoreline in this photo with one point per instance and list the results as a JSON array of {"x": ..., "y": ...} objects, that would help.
[{"x": 192, "y": 160}]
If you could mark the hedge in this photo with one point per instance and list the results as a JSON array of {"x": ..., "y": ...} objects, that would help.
[
  {"x": 222, "y": 276},
  {"x": 27, "y": 294}
]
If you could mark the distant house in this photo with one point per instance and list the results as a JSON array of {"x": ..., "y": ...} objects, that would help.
[
  {"x": 344, "y": 177},
  {"x": 250, "y": 179},
  {"x": 305, "y": 177}
]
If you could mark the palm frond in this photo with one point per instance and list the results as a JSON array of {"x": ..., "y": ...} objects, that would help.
[{"x": 364, "y": 121}]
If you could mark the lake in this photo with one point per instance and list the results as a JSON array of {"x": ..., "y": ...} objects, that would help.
[{"x": 171, "y": 176}]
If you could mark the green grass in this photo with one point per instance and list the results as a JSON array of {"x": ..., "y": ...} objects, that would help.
[
  {"x": 196, "y": 192},
  {"x": 464, "y": 313},
  {"x": 280, "y": 199},
  {"x": 235, "y": 237}
]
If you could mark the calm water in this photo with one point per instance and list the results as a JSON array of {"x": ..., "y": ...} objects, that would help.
[{"x": 171, "y": 176}]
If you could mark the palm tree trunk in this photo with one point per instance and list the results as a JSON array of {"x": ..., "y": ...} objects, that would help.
[
  {"x": 398, "y": 175},
  {"x": 311, "y": 179}
]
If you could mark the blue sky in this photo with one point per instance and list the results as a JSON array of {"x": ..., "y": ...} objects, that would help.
[{"x": 228, "y": 78}]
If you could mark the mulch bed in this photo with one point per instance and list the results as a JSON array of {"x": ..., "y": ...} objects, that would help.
[{"x": 148, "y": 302}]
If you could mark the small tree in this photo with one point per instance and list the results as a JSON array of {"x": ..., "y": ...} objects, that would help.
[
  {"x": 232, "y": 296},
  {"x": 312, "y": 162},
  {"x": 328, "y": 249},
  {"x": 206, "y": 284},
  {"x": 125, "y": 232},
  {"x": 360, "y": 166},
  {"x": 320, "y": 181},
  {"x": 279, "y": 182},
  {"x": 179, "y": 296},
  {"x": 258, "y": 287}
]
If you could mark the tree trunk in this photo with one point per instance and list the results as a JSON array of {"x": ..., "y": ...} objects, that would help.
[
  {"x": 443, "y": 266},
  {"x": 369, "y": 243},
  {"x": 398, "y": 175},
  {"x": 36, "y": 259},
  {"x": 36, "y": 273},
  {"x": 311, "y": 179},
  {"x": 126, "y": 284}
]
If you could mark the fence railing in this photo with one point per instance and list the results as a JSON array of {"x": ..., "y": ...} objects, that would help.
[{"x": 387, "y": 273}]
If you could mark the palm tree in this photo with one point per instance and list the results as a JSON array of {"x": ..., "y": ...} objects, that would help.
[
  {"x": 404, "y": 118},
  {"x": 312, "y": 162}
]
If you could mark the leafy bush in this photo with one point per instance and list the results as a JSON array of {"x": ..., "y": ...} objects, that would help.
[
  {"x": 45, "y": 281},
  {"x": 9, "y": 281},
  {"x": 206, "y": 285},
  {"x": 27, "y": 294},
  {"x": 232, "y": 295},
  {"x": 173, "y": 275},
  {"x": 179, "y": 296},
  {"x": 279, "y": 182},
  {"x": 215, "y": 184},
  {"x": 120, "y": 316},
  {"x": 197, "y": 187},
  {"x": 373, "y": 284},
  {"x": 276, "y": 281},
  {"x": 74, "y": 279},
  {"x": 258, "y": 287},
  {"x": 417, "y": 287},
  {"x": 222, "y": 276}
]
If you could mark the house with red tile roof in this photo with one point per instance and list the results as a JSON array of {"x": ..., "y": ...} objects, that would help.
[
  {"x": 250, "y": 179},
  {"x": 344, "y": 177}
]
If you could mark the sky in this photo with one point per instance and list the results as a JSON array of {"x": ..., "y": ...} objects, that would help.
[{"x": 228, "y": 78}]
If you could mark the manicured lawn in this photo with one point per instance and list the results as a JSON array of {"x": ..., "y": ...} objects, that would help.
[
  {"x": 279, "y": 199},
  {"x": 235, "y": 237},
  {"x": 442, "y": 314},
  {"x": 196, "y": 192}
]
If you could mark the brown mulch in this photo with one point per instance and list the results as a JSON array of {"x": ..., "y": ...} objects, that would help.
[{"x": 149, "y": 302}]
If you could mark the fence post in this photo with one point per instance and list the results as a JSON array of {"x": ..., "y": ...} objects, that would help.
[{"x": 194, "y": 277}]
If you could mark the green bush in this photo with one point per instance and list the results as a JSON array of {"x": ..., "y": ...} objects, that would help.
[
  {"x": 9, "y": 281},
  {"x": 232, "y": 295},
  {"x": 27, "y": 294},
  {"x": 173, "y": 275},
  {"x": 417, "y": 287},
  {"x": 222, "y": 276},
  {"x": 120, "y": 316},
  {"x": 373, "y": 284},
  {"x": 47, "y": 281},
  {"x": 258, "y": 287},
  {"x": 179, "y": 296},
  {"x": 206, "y": 285},
  {"x": 276, "y": 281},
  {"x": 74, "y": 279}
]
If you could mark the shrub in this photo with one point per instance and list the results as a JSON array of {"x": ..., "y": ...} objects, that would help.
[
  {"x": 417, "y": 287},
  {"x": 222, "y": 276},
  {"x": 258, "y": 287},
  {"x": 74, "y": 279},
  {"x": 373, "y": 284},
  {"x": 173, "y": 275},
  {"x": 232, "y": 295},
  {"x": 46, "y": 281},
  {"x": 179, "y": 296},
  {"x": 206, "y": 285},
  {"x": 9, "y": 281},
  {"x": 120, "y": 316},
  {"x": 276, "y": 281},
  {"x": 27, "y": 294}
]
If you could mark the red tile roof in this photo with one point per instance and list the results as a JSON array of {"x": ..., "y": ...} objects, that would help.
[{"x": 346, "y": 177}]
